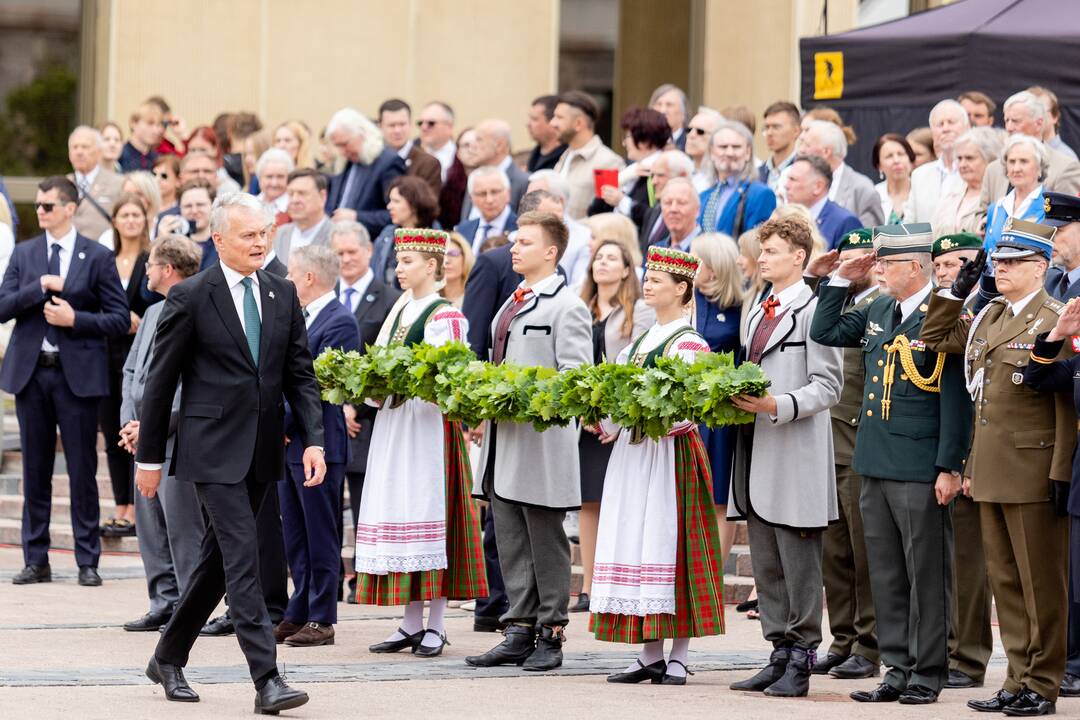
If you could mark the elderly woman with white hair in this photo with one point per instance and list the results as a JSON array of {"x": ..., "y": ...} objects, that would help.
[
  {"x": 362, "y": 190},
  {"x": 959, "y": 209},
  {"x": 1025, "y": 160},
  {"x": 272, "y": 169},
  {"x": 736, "y": 202}
]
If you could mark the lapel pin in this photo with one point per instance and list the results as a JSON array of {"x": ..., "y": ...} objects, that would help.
[
  {"x": 924, "y": 307},
  {"x": 369, "y": 298},
  {"x": 271, "y": 294},
  {"x": 82, "y": 256}
]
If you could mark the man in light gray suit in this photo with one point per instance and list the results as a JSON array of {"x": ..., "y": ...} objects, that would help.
[
  {"x": 493, "y": 148},
  {"x": 532, "y": 478},
  {"x": 170, "y": 523},
  {"x": 310, "y": 224},
  {"x": 850, "y": 189}
]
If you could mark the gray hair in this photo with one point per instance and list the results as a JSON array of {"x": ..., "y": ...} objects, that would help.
[
  {"x": 664, "y": 90},
  {"x": 353, "y": 229},
  {"x": 556, "y": 183},
  {"x": 745, "y": 134},
  {"x": 320, "y": 260},
  {"x": 219, "y": 212},
  {"x": 353, "y": 123},
  {"x": 99, "y": 141},
  {"x": 1031, "y": 102},
  {"x": 487, "y": 171},
  {"x": 950, "y": 104},
  {"x": 1041, "y": 153},
  {"x": 986, "y": 140},
  {"x": 832, "y": 135},
  {"x": 682, "y": 182},
  {"x": 531, "y": 200},
  {"x": 679, "y": 163},
  {"x": 274, "y": 155}
]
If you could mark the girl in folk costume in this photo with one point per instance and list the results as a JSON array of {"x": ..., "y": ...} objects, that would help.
[
  {"x": 417, "y": 534},
  {"x": 658, "y": 572}
]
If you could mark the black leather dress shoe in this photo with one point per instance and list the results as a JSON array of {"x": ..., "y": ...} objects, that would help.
[
  {"x": 653, "y": 673},
  {"x": 827, "y": 663},
  {"x": 392, "y": 646},
  {"x": 548, "y": 654},
  {"x": 519, "y": 642},
  {"x": 149, "y": 622},
  {"x": 769, "y": 674},
  {"x": 430, "y": 651},
  {"x": 675, "y": 679},
  {"x": 855, "y": 667},
  {"x": 487, "y": 623},
  {"x": 582, "y": 604},
  {"x": 218, "y": 627},
  {"x": 33, "y": 574},
  {"x": 881, "y": 694},
  {"x": 276, "y": 696},
  {"x": 1070, "y": 686},
  {"x": 1029, "y": 704},
  {"x": 88, "y": 577},
  {"x": 958, "y": 679},
  {"x": 918, "y": 695},
  {"x": 171, "y": 678},
  {"x": 1001, "y": 700}
]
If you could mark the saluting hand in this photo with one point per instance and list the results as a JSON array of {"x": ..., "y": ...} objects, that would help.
[
  {"x": 1068, "y": 323},
  {"x": 314, "y": 466},
  {"x": 856, "y": 268},
  {"x": 968, "y": 276},
  {"x": 823, "y": 265}
]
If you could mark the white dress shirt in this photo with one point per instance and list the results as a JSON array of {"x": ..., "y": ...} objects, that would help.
[
  {"x": 360, "y": 286},
  {"x": 445, "y": 155},
  {"x": 497, "y": 227},
  {"x": 313, "y": 308},
  {"x": 67, "y": 249},
  {"x": 912, "y": 303},
  {"x": 236, "y": 289}
]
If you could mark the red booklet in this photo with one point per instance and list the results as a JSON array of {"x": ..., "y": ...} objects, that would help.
[{"x": 605, "y": 176}]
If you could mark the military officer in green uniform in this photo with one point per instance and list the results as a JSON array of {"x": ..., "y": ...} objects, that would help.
[
  {"x": 854, "y": 649},
  {"x": 1021, "y": 452},
  {"x": 971, "y": 641},
  {"x": 910, "y": 447}
]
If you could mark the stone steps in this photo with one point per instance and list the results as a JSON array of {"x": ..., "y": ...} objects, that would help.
[{"x": 62, "y": 537}]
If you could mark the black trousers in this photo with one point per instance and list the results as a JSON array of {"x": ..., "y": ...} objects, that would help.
[
  {"x": 273, "y": 565},
  {"x": 229, "y": 560},
  {"x": 121, "y": 469},
  {"x": 355, "y": 482}
]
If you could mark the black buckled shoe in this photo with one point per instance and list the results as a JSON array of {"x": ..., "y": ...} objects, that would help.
[
  {"x": 654, "y": 673},
  {"x": 918, "y": 695},
  {"x": 276, "y": 696},
  {"x": 88, "y": 577},
  {"x": 959, "y": 680},
  {"x": 1070, "y": 686},
  {"x": 149, "y": 622},
  {"x": 392, "y": 646},
  {"x": 1001, "y": 700},
  {"x": 772, "y": 672},
  {"x": 548, "y": 654},
  {"x": 220, "y": 626},
  {"x": 519, "y": 642},
  {"x": 582, "y": 604},
  {"x": 855, "y": 667},
  {"x": 795, "y": 682},
  {"x": 1029, "y": 704},
  {"x": 881, "y": 694},
  {"x": 827, "y": 663},
  {"x": 171, "y": 678},
  {"x": 422, "y": 650},
  {"x": 32, "y": 574},
  {"x": 676, "y": 679}
]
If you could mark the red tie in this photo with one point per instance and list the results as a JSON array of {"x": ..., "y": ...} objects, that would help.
[
  {"x": 770, "y": 306},
  {"x": 521, "y": 293}
]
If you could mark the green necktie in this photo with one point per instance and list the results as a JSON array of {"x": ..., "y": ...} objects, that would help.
[{"x": 252, "y": 324}]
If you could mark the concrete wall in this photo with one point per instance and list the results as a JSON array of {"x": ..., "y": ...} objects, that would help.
[{"x": 306, "y": 58}]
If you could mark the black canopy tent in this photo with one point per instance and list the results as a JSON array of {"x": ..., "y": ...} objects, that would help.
[{"x": 886, "y": 77}]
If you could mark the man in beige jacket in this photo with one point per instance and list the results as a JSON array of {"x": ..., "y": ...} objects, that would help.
[{"x": 575, "y": 121}]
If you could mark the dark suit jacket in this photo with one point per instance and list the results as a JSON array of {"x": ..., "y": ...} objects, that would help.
[
  {"x": 519, "y": 183},
  {"x": 370, "y": 190},
  {"x": 1053, "y": 277},
  {"x": 1058, "y": 377},
  {"x": 425, "y": 166},
  {"x": 93, "y": 288},
  {"x": 491, "y": 281},
  {"x": 209, "y": 254},
  {"x": 453, "y": 194},
  {"x": 468, "y": 228},
  {"x": 680, "y": 142},
  {"x": 333, "y": 327},
  {"x": 232, "y": 416},
  {"x": 276, "y": 267},
  {"x": 648, "y": 223},
  {"x": 835, "y": 222}
]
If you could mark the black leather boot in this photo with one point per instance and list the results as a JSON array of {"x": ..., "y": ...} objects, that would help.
[
  {"x": 768, "y": 675},
  {"x": 548, "y": 654},
  {"x": 517, "y": 645},
  {"x": 796, "y": 679}
]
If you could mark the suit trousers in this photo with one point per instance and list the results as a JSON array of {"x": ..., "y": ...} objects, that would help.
[
  {"x": 971, "y": 641},
  {"x": 787, "y": 573},
  {"x": 45, "y": 403},
  {"x": 909, "y": 549},
  {"x": 310, "y": 519},
  {"x": 1026, "y": 546},
  {"x": 229, "y": 560},
  {"x": 170, "y": 534},
  {"x": 1072, "y": 663},
  {"x": 846, "y": 574},
  {"x": 535, "y": 558},
  {"x": 496, "y": 602},
  {"x": 273, "y": 566}
]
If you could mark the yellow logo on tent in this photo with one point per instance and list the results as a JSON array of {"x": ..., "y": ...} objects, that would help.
[{"x": 828, "y": 75}]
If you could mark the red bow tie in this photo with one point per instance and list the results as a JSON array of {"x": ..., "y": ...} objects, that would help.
[
  {"x": 521, "y": 293},
  {"x": 770, "y": 306}
]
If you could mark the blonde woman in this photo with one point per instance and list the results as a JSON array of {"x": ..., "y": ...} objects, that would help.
[
  {"x": 457, "y": 265},
  {"x": 145, "y": 186},
  {"x": 718, "y": 300},
  {"x": 616, "y": 228},
  {"x": 293, "y": 137}
]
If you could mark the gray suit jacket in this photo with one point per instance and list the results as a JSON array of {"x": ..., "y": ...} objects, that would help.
[
  {"x": 519, "y": 183},
  {"x": 856, "y": 193},
  {"x": 90, "y": 221},
  {"x": 540, "y": 469},
  {"x": 283, "y": 239},
  {"x": 136, "y": 369}
]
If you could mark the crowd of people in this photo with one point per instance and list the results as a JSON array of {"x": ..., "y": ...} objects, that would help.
[{"x": 910, "y": 461}]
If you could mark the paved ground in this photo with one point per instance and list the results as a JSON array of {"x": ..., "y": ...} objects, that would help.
[{"x": 63, "y": 655}]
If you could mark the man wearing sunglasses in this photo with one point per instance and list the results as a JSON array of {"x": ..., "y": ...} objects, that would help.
[{"x": 65, "y": 296}]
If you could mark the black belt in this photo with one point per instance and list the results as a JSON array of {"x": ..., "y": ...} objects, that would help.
[{"x": 48, "y": 359}]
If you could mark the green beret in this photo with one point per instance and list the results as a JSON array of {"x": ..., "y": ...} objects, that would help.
[
  {"x": 860, "y": 239},
  {"x": 956, "y": 241}
]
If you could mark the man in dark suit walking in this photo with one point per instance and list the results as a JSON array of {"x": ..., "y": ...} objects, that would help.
[
  {"x": 65, "y": 296},
  {"x": 370, "y": 301},
  {"x": 236, "y": 337}
]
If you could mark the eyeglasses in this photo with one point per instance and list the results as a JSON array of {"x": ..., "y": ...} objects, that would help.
[
  {"x": 47, "y": 207},
  {"x": 698, "y": 131},
  {"x": 886, "y": 261},
  {"x": 426, "y": 123},
  {"x": 150, "y": 264}
]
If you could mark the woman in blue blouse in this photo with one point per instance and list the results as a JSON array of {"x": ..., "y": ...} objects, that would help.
[
  {"x": 718, "y": 300},
  {"x": 1025, "y": 160}
]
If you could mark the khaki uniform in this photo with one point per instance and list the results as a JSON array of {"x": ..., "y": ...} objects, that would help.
[{"x": 1022, "y": 440}]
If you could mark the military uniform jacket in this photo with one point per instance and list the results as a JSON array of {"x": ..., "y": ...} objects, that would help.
[
  {"x": 846, "y": 413},
  {"x": 925, "y": 432},
  {"x": 1023, "y": 438}
]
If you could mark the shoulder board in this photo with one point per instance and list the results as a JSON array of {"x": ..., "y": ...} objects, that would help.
[
  {"x": 999, "y": 299},
  {"x": 1056, "y": 305}
]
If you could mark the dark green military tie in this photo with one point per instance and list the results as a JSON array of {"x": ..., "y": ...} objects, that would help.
[{"x": 252, "y": 323}]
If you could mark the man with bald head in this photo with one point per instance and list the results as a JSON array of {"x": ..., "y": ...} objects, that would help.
[
  {"x": 493, "y": 148},
  {"x": 98, "y": 186},
  {"x": 679, "y": 206},
  {"x": 669, "y": 165},
  {"x": 933, "y": 180}
]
